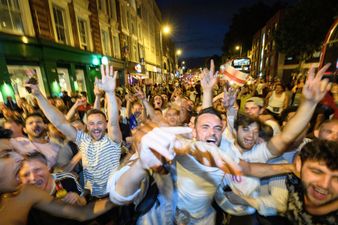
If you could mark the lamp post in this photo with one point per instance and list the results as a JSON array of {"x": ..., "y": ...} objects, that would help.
[
  {"x": 164, "y": 30},
  {"x": 239, "y": 48},
  {"x": 178, "y": 53}
]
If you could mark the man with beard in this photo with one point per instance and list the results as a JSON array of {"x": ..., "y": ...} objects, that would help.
[
  {"x": 195, "y": 181},
  {"x": 309, "y": 195},
  {"x": 328, "y": 130},
  {"x": 37, "y": 139},
  {"x": 313, "y": 198},
  {"x": 100, "y": 151},
  {"x": 245, "y": 144},
  {"x": 254, "y": 107}
]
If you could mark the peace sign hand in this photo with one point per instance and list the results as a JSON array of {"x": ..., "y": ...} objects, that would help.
[
  {"x": 208, "y": 77},
  {"x": 315, "y": 88}
]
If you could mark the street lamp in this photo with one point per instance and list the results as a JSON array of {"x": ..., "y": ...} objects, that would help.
[
  {"x": 166, "y": 30},
  {"x": 177, "y": 55},
  {"x": 239, "y": 48}
]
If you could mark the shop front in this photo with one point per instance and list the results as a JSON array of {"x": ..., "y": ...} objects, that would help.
[{"x": 56, "y": 67}]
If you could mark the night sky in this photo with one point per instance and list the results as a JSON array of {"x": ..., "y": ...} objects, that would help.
[{"x": 199, "y": 25}]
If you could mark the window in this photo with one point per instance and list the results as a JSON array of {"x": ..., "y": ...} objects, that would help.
[
  {"x": 135, "y": 53},
  {"x": 83, "y": 33},
  {"x": 10, "y": 16},
  {"x": 60, "y": 26},
  {"x": 124, "y": 18},
  {"x": 140, "y": 31},
  {"x": 105, "y": 42},
  {"x": 113, "y": 9},
  {"x": 116, "y": 45}
]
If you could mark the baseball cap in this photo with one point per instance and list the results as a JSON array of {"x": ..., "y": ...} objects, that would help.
[{"x": 257, "y": 100}]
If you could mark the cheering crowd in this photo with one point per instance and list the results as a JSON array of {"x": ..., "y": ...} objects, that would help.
[{"x": 203, "y": 153}]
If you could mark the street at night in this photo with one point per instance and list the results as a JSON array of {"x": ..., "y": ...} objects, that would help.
[{"x": 168, "y": 112}]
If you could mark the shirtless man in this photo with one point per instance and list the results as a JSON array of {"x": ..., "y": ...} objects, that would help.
[{"x": 16, "y": 199}]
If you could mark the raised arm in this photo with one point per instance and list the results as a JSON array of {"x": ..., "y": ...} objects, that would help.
[
  {"x": 261, "y": 170},
  {"x": 146, "y": 106},
  {"x": 53, "y": 114},
  {"x": 208, "y": 81},
  {"x": 108, "y": 84},
  {"x": 73, "y": 109},
  {"x": 98, "y": 95},
  {"x": 313, "y": 91}
]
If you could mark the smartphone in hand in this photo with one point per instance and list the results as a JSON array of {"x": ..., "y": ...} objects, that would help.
[{"x": 31, "y": 80}]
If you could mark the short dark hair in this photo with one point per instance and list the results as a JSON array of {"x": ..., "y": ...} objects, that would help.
[
  {"x": 36, "y": 156},
  {"x": 265, "y": 132},
  {"x": 15, "y": 119},
  {"x": 328, "y": 121},
  {"x": 209, "y": 110},
  {"x": 5, "y": 133},
  {"x": 35, "y": 114},
  {"x": 321, "y": 150},
  {"x": 96, "y": 111},
  {"x": 245, "y": 120}
]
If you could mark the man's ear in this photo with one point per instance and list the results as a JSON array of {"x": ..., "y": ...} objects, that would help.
[
  {"x": 224, "y": 123},
  {"x": 194, "y": 133},
  {"x": 298, "y": 165},
  {"x": 24, "y": 130},
  {"x": 261, "y": 110},
  {"x": 316, "y": 133}
]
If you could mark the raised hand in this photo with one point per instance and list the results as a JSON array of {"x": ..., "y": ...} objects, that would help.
[
  {"x": 139, "y": 93},
  {"x": 208, "y": 77},
  {"x": 97, "y": 91},
  {"x": 155, "y": 145},
  {"x": 80, "y": 102},
  {"x": 71, "y": 198},
  {"x": 315, "y": 88},
  {"x": 230, "y": 96},
  {"x": 108, "y": 81},
  {"x": 210, "y": 155},
  {"x": 34, "y": 89}
]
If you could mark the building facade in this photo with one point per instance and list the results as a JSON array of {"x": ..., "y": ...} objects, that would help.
[
  {"x": 62, "y": 42},
  {"x": 268, "y": 63}
]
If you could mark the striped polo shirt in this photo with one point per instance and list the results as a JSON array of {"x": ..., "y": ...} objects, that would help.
[{"x": 99, "y": 160}]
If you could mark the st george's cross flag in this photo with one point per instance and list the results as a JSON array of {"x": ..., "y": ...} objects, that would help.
[{"x": 233, "y": 75}]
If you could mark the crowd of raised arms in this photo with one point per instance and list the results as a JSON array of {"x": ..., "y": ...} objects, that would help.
[{"x": 203, "y": 152}]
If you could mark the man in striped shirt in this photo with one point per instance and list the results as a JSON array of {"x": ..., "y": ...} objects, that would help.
[{"x": 100, "y": 151}]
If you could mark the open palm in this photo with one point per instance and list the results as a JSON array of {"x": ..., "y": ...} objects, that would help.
[{"x": 108, "y": 81}]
